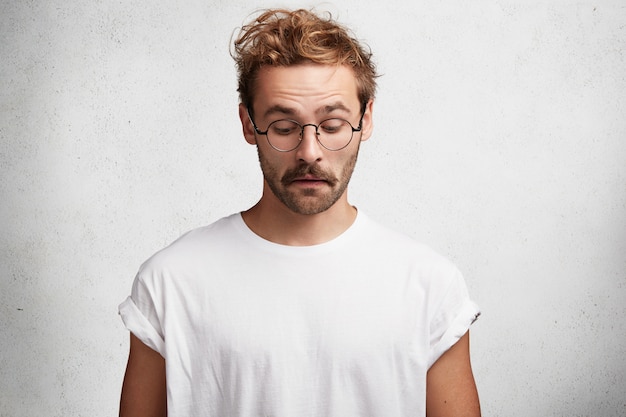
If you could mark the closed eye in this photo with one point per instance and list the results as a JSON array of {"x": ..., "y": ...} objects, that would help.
[
  {"x": 332, "y": 126},
  {"x": 285, "y": 127}
]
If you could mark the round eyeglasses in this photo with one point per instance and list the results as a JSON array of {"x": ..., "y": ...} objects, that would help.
[{"x": 285, "y": 135}]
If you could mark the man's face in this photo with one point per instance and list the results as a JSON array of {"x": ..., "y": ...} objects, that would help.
[{"x": 309, "y": 179}]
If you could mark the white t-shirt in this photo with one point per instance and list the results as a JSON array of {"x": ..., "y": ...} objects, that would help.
[{"x": 250, "y": 328}]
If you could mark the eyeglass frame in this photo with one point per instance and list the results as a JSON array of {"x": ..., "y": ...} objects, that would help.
[{"x": 302, "y": 126}]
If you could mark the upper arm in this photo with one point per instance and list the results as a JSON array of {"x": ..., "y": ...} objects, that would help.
[
  {"x": 450, "y": 387},
  {"x": 144, "y": 391}
]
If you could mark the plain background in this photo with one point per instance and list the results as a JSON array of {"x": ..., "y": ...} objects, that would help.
[{"x": 500, "y": 140}]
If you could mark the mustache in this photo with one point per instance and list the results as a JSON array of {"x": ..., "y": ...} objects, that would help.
[{"x": 303, "y": 170}]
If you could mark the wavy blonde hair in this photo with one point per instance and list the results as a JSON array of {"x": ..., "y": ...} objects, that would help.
[{"x": 282, "y": 37}]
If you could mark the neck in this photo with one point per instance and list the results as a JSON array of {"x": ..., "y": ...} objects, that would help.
[{"x": 273, "y": 221}]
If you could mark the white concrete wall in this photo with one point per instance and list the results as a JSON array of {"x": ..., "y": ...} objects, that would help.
[{"x": 500, "y": 140}]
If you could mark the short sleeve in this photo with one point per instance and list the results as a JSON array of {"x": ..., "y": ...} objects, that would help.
[
  {"x": 452, "y": 319},
  {"x": 138, "y": 313}
]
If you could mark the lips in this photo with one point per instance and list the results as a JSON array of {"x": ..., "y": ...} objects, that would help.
[
  {"x": 309, "y": 182},
  {"x": 310, "y": 178}
]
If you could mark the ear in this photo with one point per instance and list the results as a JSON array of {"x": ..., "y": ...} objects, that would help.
[
  {"x": 367, "y": 125},
  {"x": 248, "y": 129}
]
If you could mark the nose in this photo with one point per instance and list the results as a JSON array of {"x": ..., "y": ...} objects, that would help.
[{"x": 309, "y": 150}]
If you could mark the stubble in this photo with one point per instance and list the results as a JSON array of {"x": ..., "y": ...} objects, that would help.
[{"x": 307, "y": 201}]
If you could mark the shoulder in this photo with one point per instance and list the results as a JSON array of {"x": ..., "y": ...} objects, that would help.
[
  {"x": 403, "y": 256},
  {"x": 400, "y": 244},
  {"x": 193, "y": 246}
]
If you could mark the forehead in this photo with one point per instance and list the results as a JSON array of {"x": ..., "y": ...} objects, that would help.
[{"x": 306, "y": 87}]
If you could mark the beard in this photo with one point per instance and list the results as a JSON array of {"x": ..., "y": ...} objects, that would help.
[{"x": 307, "y": 201}]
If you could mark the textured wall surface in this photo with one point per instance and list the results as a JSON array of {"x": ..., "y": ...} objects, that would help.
[{"x": 500, "y": 140}]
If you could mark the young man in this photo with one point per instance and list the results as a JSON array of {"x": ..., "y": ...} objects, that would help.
[{"x": 301, "y": 305}]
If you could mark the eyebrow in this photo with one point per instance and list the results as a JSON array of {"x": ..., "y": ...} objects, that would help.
[
  {"x": 332, "y": 107},
  {"x": 289, "y": 111},
  {"x": 279, "y": 109}
]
